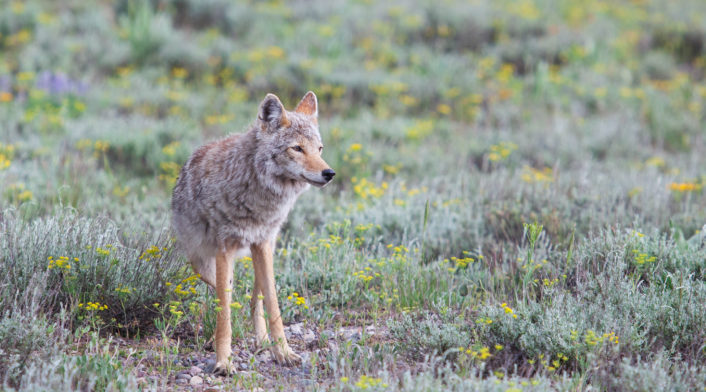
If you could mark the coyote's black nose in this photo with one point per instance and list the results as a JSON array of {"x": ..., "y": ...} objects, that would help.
[{"x": 328, "y": 174}]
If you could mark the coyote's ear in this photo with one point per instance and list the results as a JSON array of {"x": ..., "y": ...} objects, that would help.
[
  {"x": 271, "y": 113},
  {"x": 308, "y": 105}
]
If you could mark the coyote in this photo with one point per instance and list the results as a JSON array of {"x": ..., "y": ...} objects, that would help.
[{"x": 232, "y": 196}]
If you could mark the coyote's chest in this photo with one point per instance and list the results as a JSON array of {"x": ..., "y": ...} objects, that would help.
[{"x": 250, "y": 217}]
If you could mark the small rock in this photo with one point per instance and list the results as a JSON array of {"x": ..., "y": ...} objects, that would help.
[
  {"x": 194, "y": 370},
  {"x": 264, "y": 356},
  {"x": 352, "y": 333},
  {"x": 240, "y": 356},
  {"x": 309, "y": 337},
  {"x": 243, "y": 366},
  {"x": 183, "y": 376},
  {"x": 180, "y": 381},
  {"x": 196, "y": 380},
  {"x": 209, "y": 363},
  {"x": 296, "y": 329},
  {"x": 306, "y": 356}
]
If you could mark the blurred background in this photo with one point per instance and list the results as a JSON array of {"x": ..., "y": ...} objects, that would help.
[
  {"x": 111, "y": 97},
  {"x": 138, "y": 84},
  {"x": 452, "y": 125}
]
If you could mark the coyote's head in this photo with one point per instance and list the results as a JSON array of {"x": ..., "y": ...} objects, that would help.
[{"x": 289, "y": 143}]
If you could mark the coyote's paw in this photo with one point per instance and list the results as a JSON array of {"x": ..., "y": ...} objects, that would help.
[
  {"x": 283, "y": 354},
  {"x": 223, "y": 368}
]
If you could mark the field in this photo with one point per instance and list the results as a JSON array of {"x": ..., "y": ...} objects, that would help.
[{"x": 519, "y": 202}]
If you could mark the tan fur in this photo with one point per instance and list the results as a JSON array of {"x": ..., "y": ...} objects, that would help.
[
  {"x": 233, "y": 195},
  {"x": 308, "y": 105}
]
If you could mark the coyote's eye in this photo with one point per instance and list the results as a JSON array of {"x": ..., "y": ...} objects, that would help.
[
  {"x": 321, "y": 148},
  {"x": 298, "y": 149}
]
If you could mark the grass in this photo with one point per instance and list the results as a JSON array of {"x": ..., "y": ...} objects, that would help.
[{"x": 519, "y": 199}]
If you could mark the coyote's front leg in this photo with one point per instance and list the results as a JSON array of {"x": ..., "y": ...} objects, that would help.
[
  {"x": 224, "y": 287},
  {"x": 265, "y": 278}
]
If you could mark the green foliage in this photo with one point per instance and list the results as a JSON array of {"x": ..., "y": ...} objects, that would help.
[
  {"x": 25, "y": 338},
  {"x": 68, "y": 261},
  {"x": 98, "y": 368},
  {"x": 146, "y": 31},
  {"x": 427, "y": 335}
]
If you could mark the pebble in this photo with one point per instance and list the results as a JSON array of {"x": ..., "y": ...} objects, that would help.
[
  {"x": 352, "y": 333},
  {"x": 264, "y": 356},
  {"x": 180, "y": 381},
  {"x": 306, "y": 356},
  {"x": 183, "y": 376},
  {"x": 309, "y": 337},
  {"x": 295, "y": 329},
  {"x": 194, "y": 370},
  {"x": 209, "y": 364},
  {"x": 196, "y": 380}
]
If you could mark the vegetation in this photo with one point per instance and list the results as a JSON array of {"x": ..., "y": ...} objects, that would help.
[{"x": 519, "y": 199}]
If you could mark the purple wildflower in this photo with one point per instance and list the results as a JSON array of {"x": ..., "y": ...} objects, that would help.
[{"x": 59, "y": 84}]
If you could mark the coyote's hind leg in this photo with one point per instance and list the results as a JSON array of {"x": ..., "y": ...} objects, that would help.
[{"x": 224, "y": 287}]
